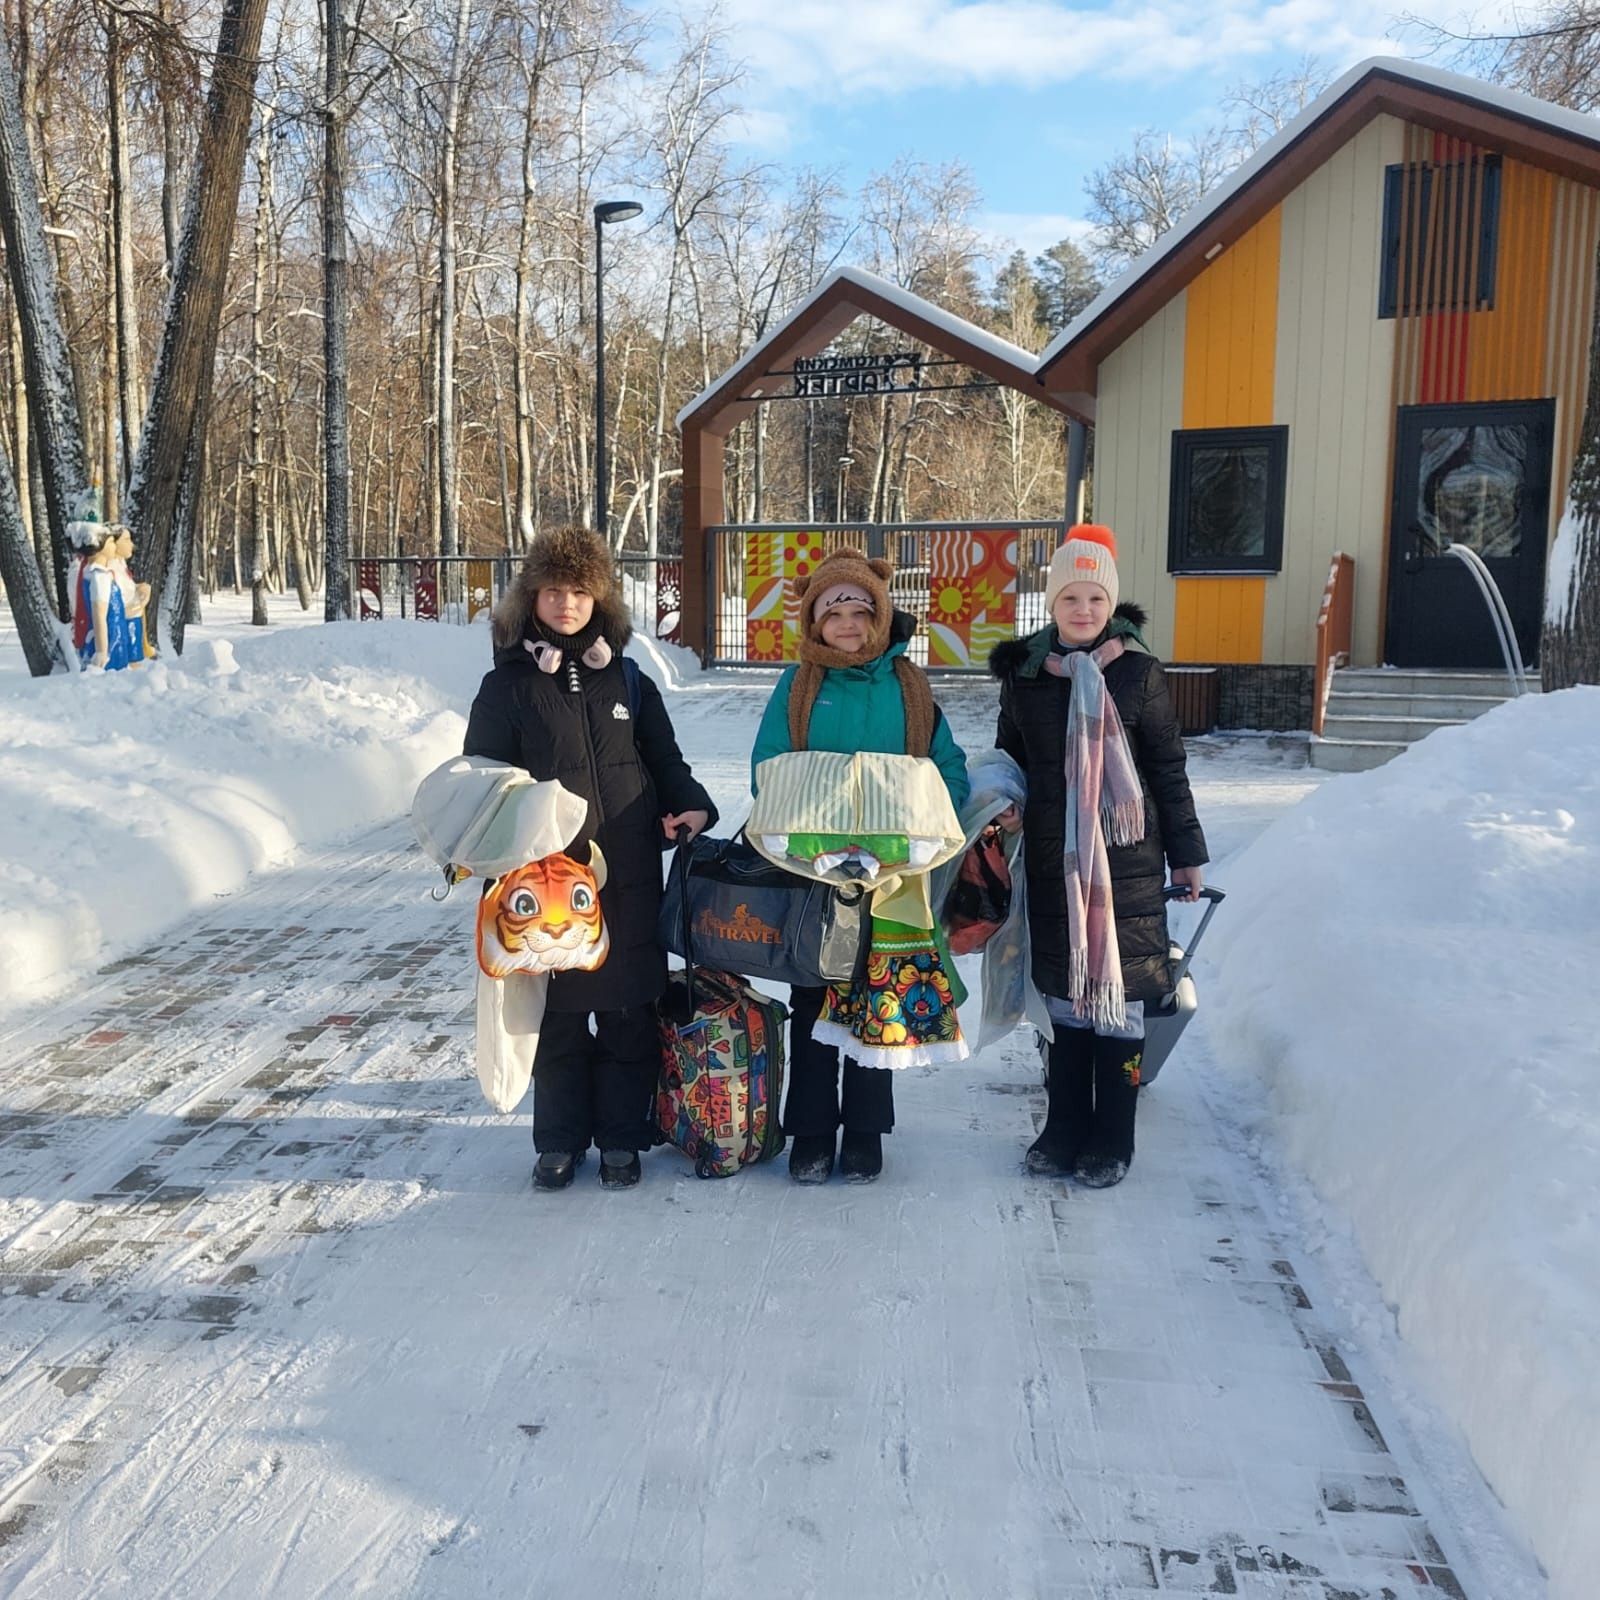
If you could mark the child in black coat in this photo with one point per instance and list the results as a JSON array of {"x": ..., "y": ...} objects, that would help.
[
  {"x": 563, "y": 703},
  {"x": 1109, "y": 809}
]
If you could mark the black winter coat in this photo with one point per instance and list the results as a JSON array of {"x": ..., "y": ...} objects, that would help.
[
  {"x": 1033, "y": 731},
  {"x": 575, "y": 725}
]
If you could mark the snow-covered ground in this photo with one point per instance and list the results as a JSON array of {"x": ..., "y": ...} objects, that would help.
[
  {"x": 1407, "y": 986},
  {"x": 280, "y": 1314},
  {"x": 134, "y": 799}
]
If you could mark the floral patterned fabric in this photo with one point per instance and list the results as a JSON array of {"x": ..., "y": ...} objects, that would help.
[{"x": 900, "y": 1011}]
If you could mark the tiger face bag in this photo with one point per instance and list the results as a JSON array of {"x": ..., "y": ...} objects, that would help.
[
  {"x": 541, "y": 918},
  {"x": 544, "y": 917},
  {"x": 540, "y": 911}
]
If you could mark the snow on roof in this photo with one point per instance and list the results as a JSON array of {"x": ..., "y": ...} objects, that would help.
[
  {"x": 958, "y": 328},
  {"x": 1574, "y": 124}
]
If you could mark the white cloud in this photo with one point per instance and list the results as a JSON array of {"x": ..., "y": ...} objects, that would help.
[
  {"x": 763, "y": 129},
  {"x": 821, "y": 48},
  {"x": 1033, "y": 231}
]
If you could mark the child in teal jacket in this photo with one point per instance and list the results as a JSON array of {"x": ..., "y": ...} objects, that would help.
[{"x": 854, "y": 689}]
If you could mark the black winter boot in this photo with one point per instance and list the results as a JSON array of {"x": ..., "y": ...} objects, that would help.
[
  {"x": 1108, "y": 1153},
  {"x": 619, "y": 1169},
  {"x": 555, "y": 1169},
  {"x": 1069, "y": 1119},
  {"x": 861, "y": 1156},
  {"x": 811, "y": 1158}
]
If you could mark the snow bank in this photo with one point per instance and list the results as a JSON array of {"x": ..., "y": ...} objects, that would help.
[
  {"x": 1407, "y": 972},
  {"x": 132, "y": 798}
]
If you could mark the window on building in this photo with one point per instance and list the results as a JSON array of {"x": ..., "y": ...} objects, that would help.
[
  {"x": 1227, "y": 499},
  {"x": 1441, "y": 232}
]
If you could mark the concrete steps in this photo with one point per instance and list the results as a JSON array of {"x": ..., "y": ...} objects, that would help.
[
  {"x": 1445, "y": 707},
  {"x": 1376, "y": 712}
]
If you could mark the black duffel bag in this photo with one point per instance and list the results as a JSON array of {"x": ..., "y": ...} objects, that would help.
[{"x": 750, "y": 917}]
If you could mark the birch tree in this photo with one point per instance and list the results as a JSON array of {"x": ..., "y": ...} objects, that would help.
[
  {"x": 38, "y": 628},
  {"x": 450, "y": 128},
  {"x": 130, "y": 403},
  {"x": 695, "y": 104},
  {"x": 52, "y": 388},
  {"x": 181, "y": 388},
  {"x": 335, "y": 320}
]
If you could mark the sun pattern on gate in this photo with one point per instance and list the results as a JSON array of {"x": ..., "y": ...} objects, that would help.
[
  {"x": 480, "y": 589},
  {"x": 972, "y": 594},
  {"x": 772, "y": 561}
]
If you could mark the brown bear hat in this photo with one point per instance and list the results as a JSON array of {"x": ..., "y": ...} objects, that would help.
[
  {"x": 844, "y": 577},
  {"x": 576, "y": 558}
]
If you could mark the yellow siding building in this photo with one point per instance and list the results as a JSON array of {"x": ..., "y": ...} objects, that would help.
[{"x": 1373, "y": 340}]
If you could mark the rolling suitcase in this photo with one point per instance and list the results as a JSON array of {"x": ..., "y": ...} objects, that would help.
[
  {"x": 1163, "y": 1023},
  {"x": 722, "y": 1052},
  {"x": 721, "y": 1086}
]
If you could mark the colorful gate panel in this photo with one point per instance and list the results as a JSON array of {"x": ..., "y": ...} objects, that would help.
[
  {"x": 669, "y": 601},
  {"x": 972, "y": 595},
  {"x": 480, "y": 588},
  {"x": 426, "y": 591},
  {"x": 772, "y": 615},
  {"x": 369, "y": 590}
]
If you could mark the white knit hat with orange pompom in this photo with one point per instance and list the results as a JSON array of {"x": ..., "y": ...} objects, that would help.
[{"x": 1087, "y": 555}]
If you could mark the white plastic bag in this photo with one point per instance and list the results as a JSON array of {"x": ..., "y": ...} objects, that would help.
[
  {"x": 510, "y": 1011},
  {"x": 480, "y": 817},
  {"x": 477, "y": 817}
]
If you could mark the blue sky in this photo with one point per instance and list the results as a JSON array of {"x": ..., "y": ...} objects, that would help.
[{"x": 1031, "y": 94}]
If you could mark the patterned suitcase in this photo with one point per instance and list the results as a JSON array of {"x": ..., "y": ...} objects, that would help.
[{"x": 721, "y": 1085}]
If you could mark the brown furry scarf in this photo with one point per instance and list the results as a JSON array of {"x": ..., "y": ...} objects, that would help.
[{"x": 915, "y": 692}]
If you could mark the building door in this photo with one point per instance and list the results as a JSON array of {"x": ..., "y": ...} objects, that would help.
[{"x": 1476, "y": 475}]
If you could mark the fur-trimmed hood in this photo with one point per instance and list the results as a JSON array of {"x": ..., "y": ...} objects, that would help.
[
  {"x": 1025, "y": 656},
  {"x": 571, "y": 556}
]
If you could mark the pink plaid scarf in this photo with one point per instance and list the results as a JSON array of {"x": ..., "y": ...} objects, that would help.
[{"x": 1104, "y": 799}]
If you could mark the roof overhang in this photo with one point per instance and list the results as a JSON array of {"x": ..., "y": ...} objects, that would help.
[
  {"x": 1518, "y": 125},
  {"x": 842, "y": 297}
]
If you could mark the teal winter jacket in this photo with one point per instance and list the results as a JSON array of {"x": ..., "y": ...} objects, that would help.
[{"x": 859, "y": 708}]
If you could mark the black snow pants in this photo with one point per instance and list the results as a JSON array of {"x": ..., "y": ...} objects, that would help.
[
  {"x": 812, "y": 1108},
  {"x": 596, "y": 1088}
]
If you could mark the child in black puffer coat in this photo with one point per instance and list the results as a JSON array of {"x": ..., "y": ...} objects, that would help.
[
  {"x": 1084, "y": 710},
  {"x": 562, "y": 703}
]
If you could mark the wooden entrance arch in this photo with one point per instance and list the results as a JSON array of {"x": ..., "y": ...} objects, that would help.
[{"x": 764, "y": 371}]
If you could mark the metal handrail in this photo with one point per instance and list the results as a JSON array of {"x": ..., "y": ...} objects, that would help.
[{"x": 1499, "y": 615}]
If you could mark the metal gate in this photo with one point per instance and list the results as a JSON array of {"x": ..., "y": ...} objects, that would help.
[
  {"x": 463, "y": 588},
  {"x": 427, "y": 588},
  {"x": 970, "y": 585}
]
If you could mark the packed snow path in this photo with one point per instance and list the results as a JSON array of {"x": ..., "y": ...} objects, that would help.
[{"x": 282, "y": 1314}]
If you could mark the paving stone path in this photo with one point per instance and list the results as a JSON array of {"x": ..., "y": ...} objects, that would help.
[{"x": 280, "y": 1314}]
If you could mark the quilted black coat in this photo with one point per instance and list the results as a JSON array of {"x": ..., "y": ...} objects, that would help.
[
  {"x": 1033, "y": 731},
  {"x": 576, "y": 725}
]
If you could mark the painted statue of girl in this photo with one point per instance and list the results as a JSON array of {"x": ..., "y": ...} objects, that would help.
[
  {"x": 100, "y": 621},
  {"x": 135, "y": 599}
]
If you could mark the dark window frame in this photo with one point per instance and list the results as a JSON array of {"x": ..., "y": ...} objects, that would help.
[
  {"x": 1392, "y": 271},
  {"x": 1180, "y": 562}
]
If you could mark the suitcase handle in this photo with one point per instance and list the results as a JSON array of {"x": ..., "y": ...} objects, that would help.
[
  {"x": 1213, "y": 899},
  {"x": 1176, "y": 891},
  {"x": 680, "y": 864}
]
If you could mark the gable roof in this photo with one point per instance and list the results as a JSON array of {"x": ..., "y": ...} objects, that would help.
[
  {"x": 1519, "y": 125},
  {"x": 841, "y": 297}
]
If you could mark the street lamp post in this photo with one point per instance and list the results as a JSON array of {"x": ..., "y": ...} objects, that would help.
[
  {"x": 606, "y": 211},
  {"x": 845, "y": 464}
]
